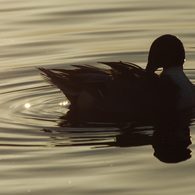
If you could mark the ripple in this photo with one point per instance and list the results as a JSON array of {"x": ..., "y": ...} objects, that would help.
[
  {"x": 26, "y": 123},
  {"x": 31, "y": 115}
]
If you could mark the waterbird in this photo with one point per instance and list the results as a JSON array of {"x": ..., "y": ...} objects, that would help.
[{"x": 125, "y": 91}]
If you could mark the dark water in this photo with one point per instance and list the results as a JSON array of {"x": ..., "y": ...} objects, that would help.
[{"x": 39, "y": 157}]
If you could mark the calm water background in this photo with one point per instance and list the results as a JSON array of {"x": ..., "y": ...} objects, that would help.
[{"x": 39, "y": 157}]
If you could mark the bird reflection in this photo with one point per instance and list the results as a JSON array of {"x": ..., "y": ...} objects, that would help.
[
  {"x": 172, "y": 146},
  {"x": 169, "y": 146},
  {"x": 169, "y": 137}
]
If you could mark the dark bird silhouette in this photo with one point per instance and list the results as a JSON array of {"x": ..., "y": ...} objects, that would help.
[{"x": 127, "y": 92}]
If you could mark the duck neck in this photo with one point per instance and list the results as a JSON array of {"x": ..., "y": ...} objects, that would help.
[
  {"x": 150, "y": 68},
  {"x": 172, "y": 71},
  {"x": 172, "y": 68}
]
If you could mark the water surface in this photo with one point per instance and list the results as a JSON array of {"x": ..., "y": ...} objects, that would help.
[{"x": 39, "y": 157}]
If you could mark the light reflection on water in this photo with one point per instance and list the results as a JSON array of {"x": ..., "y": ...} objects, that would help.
[
  {"x": 27, "y": 105},
  {"x": 38, "y": 153},
  {"x": 37, "y": 137}
]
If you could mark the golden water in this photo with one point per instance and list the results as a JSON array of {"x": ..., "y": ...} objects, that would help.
[{"x": 39, "y": 157}]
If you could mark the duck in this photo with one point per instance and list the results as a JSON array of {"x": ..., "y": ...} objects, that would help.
[{"x": 124, "y": 91}]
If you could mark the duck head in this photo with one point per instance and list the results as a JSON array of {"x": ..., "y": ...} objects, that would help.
[{"x": 165, "y": 51}]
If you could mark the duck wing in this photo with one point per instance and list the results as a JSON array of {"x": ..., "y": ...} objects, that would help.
[
  {"x": 121, "y": 69},
  {"x": 73, "y": 82},
  {"x": 93, "y": 79}
]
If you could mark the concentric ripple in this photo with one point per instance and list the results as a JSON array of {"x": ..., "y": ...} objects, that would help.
[
  {"x": 24, "y": 122},
  {"x": 30, "y": 112}
]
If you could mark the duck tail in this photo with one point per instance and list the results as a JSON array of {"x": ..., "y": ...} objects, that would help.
[{"x": 60, "y": 80}]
